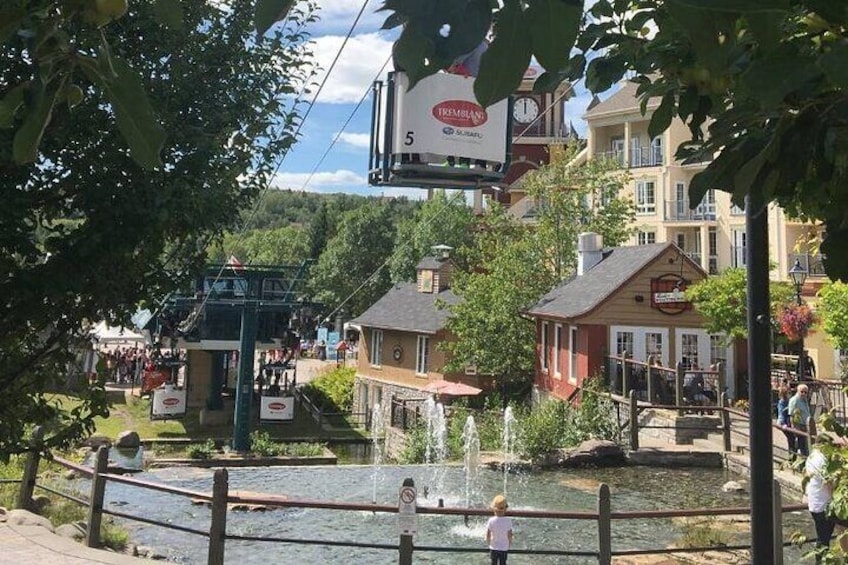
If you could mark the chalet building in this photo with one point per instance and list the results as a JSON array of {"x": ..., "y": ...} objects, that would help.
[
  {"x": 621, "y": 299},
  {"x": 399, "y": 353}
]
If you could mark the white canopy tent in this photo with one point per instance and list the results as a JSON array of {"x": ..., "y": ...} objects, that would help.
[{"x": 108, "y": 336}]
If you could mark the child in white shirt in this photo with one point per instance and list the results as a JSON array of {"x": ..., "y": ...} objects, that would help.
[{"x": 499, "y": 531}]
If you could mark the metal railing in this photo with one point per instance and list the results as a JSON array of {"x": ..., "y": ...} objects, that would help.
[
  {"x": 648, "y": 156},
  {"x": 615, "y": 156},
  {"x": 220, "y": 498},
  {"x": 679, "y": 210}
]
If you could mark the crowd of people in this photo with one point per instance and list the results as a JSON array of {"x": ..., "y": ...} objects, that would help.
[{"x": 126, "y": 365}]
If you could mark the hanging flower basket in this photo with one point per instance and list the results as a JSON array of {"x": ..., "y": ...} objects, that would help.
[{"x": 796, "y": 321}]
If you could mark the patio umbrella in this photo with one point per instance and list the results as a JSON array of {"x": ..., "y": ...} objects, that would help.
[{"x": 450, "y": 388}]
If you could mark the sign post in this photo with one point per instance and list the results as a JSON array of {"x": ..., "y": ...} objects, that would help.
[{"x": 407, "y": 520}]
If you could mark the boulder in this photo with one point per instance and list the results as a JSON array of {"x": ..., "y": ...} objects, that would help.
[
  {"x": 732, "y": 486},
  {"x": 97, "y": 440},
  {"x": 150, "y": 553},
  {"x": 3, "y": 514},
  {"x": 40, "y": 502},
  {"x": 25, "y": 518},
  {"x": 71, "y": 475},
  {"x": 590, "y": 453},
  {"x": 71, "y": 531},
  {"x": 128, "y": 440}
]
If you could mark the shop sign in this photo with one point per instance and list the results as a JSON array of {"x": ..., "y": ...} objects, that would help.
[{"x": 667, "y": 294}]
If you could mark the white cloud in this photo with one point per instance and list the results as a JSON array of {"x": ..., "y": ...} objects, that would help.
[
  {"x": 356, "y": 68},
  {"x": 336, "y": 16},
  {"x": 358, "y": 140},
  {"x": 295, "y": 181}
]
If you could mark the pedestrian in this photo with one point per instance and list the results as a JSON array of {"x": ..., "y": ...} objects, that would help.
[
  {"x": 799, "y": 413},
  {"x": 819, "y": 493},
  {"x": 499, "y": 531},
  {"x": 785, "y": 422}
]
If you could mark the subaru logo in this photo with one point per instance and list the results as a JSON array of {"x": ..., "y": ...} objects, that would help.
[{"x": 447, "y": 130}]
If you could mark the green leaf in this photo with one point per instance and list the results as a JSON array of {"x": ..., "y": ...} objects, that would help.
[
  {"x": 269, "y": 12},
  {"x": 134, "y": 115},
  {"x": 10, "y": 104},
  {"x": 833, "y": 63},
  {"x": 772, "y": 78},
  {"x": 169, "y": 14},
  {"x": 555, "y": 24},
  {"x": 549, "y": 81},
  {"x": 833, "y": 248},
  {"x": 502, "y": 66},
  {"x": 740, "y": 6},
  {"x": 28, "y": 137},
  {"x": 662, "y": 115},
  {"x": 409, "y": 54},
  {"x": 11, "y": 18}
]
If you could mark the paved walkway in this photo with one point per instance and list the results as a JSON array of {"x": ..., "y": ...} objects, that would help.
[{"x": 25, "y": 545}]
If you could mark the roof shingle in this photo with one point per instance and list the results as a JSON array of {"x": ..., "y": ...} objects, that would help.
[
  {"x": 404, "y": 308},
  {"x": 624, "y": 99}
]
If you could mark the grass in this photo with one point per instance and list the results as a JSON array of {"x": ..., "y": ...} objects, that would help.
[{"x": 133, "y": 413}]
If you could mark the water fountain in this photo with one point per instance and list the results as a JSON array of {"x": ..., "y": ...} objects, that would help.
[
  {"x": 435, "y": 451},
  {"x": 510, "y": 435},
  {"x": 471, "y": 458},
  {"x": 378, "y": 432}
]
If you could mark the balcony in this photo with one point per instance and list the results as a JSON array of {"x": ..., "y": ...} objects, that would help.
[
  {"x": 650, "y": 156},
  {"x": 616, "y": 156},
  {"x": 813, "y": 264},
  {"x": 679, "y": 211}
]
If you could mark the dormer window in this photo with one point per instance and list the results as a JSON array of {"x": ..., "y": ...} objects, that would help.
[{"x": 426, "y": 280}]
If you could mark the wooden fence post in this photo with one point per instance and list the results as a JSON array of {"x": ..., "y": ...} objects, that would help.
[
  {"x": 678, "y": 387},
  {"x": 722, "y": 378},
  {"x": 218, "y": 525},
  {"x": 649, "y": 381},
  {"x": 625, "y": 374},
  {"x": 778, "y": 525},
  {"x": 98, "y": 490},
  {"x": 604, "y": 525},
  {"x": 634, "y": 422},
  {"x": 30, "y": 469},
  {"x": 725, "y": 422}
]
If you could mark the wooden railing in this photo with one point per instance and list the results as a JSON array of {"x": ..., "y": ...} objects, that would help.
[{"x": 220, "y": 497}]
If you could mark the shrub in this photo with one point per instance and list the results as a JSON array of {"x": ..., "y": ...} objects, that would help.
[
  {"x": 261, "y": 444},
  {"x": 333, "y": 389},
  {"x": 201, "y": 450},
  {"x": 543, "y": 429}
]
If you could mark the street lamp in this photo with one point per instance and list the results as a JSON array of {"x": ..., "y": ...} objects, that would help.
[{"x": 798, "y": 274}]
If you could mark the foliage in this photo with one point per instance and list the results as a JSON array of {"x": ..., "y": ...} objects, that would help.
[
  {"x": 414, "y": 447},
  {"x": 203, "y": 450},
  {"x": 442, "y": 220},
  {"x": 332, "y": 389},
  {"x": 722, "y": 301},
  {"x": 795, "y": 320},
  {"x": 85, "y": 208},
  {"x": 760, "y": 83},
  {"x": 576, "y": 198},
  {"x": 543, "y": 429},
  {"x": 350, "y": 271},
  {"x": 261, "y": 444},
  {"x": 704, "y": 532},
  {"x": 833, "y": 308},
  {"x": 489, "y": 425},
  {"x": 287, "y": 245}
]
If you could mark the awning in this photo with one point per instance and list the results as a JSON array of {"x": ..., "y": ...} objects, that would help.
[{"x": 450, "y": 388}]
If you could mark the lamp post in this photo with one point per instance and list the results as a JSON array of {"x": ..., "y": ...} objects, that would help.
[{"x": 798, "y": 274}]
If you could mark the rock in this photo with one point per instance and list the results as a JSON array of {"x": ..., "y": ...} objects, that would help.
[
  {"x": 71, "y": 475},
  {"x": 25, "y": 518},
  {"x": 150, "y": 553},
  {"x": 40, "y": 502},
  {"x": 593, "y": 452},
  {"x": 97, "y": 440},
  {"x": 72, "y": 531},
  {"x": 3, "y": 514},
  {"x": 732, "y": 486},
  {"x": 128, "y": 440}
]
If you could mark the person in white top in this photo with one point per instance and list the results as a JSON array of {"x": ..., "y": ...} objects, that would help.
[
  {"x": 819, "y": 494},
  {"x": 499, "y": 531}
]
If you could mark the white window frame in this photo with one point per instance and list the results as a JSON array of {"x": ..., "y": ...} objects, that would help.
[
  {"x": 557, "y": 348},
  {"x": 376, "y": 357},
  {"x": 739, "y": 247},
  {"x": 639, "y": 341},
  {"x": 573, "y": 338},
  {"x": 422, "y": 355},
  {"x": 646, "y": 237},
  {"x": 543, "y": 354},
  {"x": 646, "y": 201}
]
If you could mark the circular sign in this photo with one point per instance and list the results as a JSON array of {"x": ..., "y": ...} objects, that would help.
[
  {"x": 407, "y": 495},
  {"x": 397, "y": 352},
  {"x": 171, "y": 401}
]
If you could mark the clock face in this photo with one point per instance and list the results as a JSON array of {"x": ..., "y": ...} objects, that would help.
[{"x": 525, "y": 110}]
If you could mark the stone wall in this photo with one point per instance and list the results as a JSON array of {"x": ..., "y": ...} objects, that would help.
[{"x": 668, "y": 426}]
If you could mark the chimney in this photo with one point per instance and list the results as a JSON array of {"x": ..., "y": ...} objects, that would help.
[{"x": 589, "y": 251}]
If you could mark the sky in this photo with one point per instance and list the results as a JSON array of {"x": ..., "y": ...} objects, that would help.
[{"x": 344, "y": 169}]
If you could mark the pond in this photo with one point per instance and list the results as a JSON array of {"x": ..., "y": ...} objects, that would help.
[{"x": 632, "y": 488}]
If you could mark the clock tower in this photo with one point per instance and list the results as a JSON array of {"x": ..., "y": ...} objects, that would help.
[{"x": 537, "y": 123}]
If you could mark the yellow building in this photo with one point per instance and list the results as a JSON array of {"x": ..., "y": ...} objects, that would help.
[{"x": 712, "y": 234}]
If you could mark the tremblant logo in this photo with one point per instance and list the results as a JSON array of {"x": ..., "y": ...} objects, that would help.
[
  {"x": 171, "y": 401},
  {"x": 277, "y": 406},
  {"x": 460, "y": 113}
]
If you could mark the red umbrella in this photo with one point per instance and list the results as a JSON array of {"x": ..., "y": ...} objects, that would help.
[{"x": 450, "y": 388}]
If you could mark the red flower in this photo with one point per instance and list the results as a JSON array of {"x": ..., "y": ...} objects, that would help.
[{"x": 795, "y": 321}]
